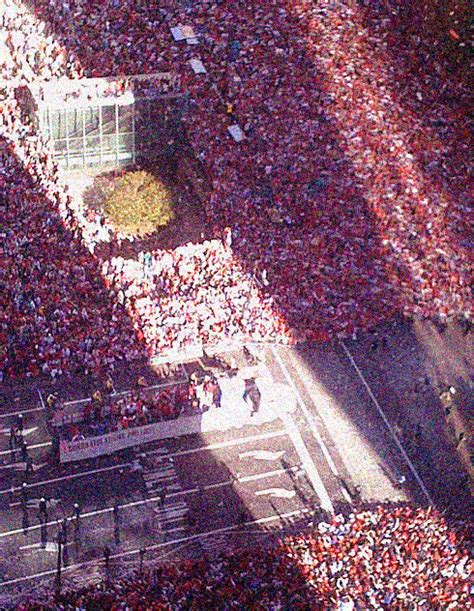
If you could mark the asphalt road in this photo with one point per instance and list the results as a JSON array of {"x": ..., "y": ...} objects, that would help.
[{"x": 196, "y": 493}]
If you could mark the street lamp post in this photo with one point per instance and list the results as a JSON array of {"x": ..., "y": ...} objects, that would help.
[
  {"x": 142, "y": 556},
  {"x": 59, "y": 564}
]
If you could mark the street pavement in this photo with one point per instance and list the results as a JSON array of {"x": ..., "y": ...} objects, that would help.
[{"x": 196, "y": 493}]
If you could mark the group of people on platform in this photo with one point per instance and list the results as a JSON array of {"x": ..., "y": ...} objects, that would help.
[{"x": 110, "y": 412}]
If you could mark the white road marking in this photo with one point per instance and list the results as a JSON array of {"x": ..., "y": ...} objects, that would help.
[
  {"x": 24, "y": 411},
  {"x": 308, "y": 415},
  {"x": 65, "y": 477},
  {"x": 25, "y": 432},
  {"x": 346, "y": 495},
  {"x": 163, "y": 468},
  {"x": 43, "y": 406},
  {"x": 40, "y": 466},
  {"x": 214, "y": 446},
  {"x": 153, "y": 483},
  {"x": 170, "y": 515},
  {"x": 157, "y": 477},
  {"x": 389, "y": 426},
  {"x": 170, "y": 495},
  {"x": 157, "y": 451},
  {"x": 181, "y": 540},
  {"x": 173, "y": 530},
  {"x": 21, "y": 466},
  {"x": 280, "y": 493},
  {"x": 263, "y": 455},
  {"x": 52, "y": 503},
  {"x": 307, "y": 462},
  {"x": 18, "y": 466},
  {"x": 49, "y": 547},
  {"x": 226, "y": 444},
  {"x": 32, "y": 447},
  {"x": 171, "y": 507}
]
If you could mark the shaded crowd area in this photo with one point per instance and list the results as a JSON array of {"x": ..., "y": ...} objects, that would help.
[
  {"x": 396, "y": 557},
  {"x": 57, "y": 315}
]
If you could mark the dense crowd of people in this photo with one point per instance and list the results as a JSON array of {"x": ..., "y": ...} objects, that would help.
[
  {"x": 359, "y": 187},
  {"x": 335, "y": 164},
  {"x": 349, "y": 198},
  {"x": 369, "y": 191},
  {"x": 57, "y": 315},
  {"x": 226, "y": 304},
  {"x": 194, "y": 295},
  {"x": 388, "y": 557}
]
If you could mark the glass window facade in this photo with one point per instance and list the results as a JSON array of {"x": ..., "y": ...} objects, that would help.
[
  {"x": 106, "y": 121},
  {"x": 91, "y": 135}
]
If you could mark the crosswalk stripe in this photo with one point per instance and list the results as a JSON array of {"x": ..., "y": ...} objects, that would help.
[
  {"x": 159, "y": 474},
  {"x": 158, "y": 477}
]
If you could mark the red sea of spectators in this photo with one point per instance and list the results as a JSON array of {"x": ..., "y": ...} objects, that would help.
[
  {"x": 358, "y": 178},
  {"x": 57, "y": 314},
  {"x": 399, "y": 558},
  {"x": 349, "y": 192}
]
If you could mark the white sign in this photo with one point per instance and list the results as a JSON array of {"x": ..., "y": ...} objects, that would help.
[
  {"x": 184, "y": 32},
  {"x": 197, "y": 66},
  {"x": 127, "y": 438},
  {"x": 188, "y": 32},
  {"x": 236, "y": 133},
  {"x": 177, "y": 33}
]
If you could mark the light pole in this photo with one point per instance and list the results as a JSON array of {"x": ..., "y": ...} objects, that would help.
[{"x": 59, "y": 564}]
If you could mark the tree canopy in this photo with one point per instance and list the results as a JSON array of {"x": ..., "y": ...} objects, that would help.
[{"x": 139, "y": 204}]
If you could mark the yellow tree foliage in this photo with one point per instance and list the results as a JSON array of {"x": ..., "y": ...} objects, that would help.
[{"x": 139, "y": 204}]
